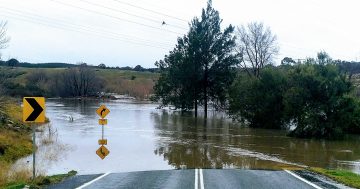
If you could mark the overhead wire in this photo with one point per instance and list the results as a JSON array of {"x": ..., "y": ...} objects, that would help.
[
  {"x": 59, "y": 21},
  {"x": 134, "y": 15},
  {"x": 32, "y": 20},
  {"x": 115, "y": 17},
  {"x": 149, "y": 10}
]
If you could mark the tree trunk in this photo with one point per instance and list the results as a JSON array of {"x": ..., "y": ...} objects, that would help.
[
  {"x": 205, "y": 91},
  {"x": 196, "y": 108}
]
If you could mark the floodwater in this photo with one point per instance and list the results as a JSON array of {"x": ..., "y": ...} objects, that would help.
[{"x": 141, "y": 137}]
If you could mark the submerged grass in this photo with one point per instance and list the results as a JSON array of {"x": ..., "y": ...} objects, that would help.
[
  {"x": 15, "y": 143},
  {"x": 346, "y": 177}
]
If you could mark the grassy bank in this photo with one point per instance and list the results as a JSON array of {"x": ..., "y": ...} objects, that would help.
[
  {"x": 346, "y": 177},
  {"x": 41, "y": 181},
  {"x": 15, "y": 142}
]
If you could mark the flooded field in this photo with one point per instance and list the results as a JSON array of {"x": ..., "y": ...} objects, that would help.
[{"x": 141, "y": 137}]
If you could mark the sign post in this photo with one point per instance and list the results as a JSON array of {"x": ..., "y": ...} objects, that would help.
[
  {"x": 34, "y": 112},
  {"x": 102, "y": 111}
]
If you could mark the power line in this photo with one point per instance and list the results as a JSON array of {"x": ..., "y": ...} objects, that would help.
[
  {"x": 131, "y": 14},
  {"x": 114, "y": 17},
  {"x": 82, "y": 27},
  {"x": 156, "y": 12},
  {"x": 31, "y": 20}
]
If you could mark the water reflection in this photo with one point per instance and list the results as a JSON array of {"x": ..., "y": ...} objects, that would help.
[
  {"x": 49, "y": 151},
  {"x": 187, "y": 142},
  {"x": 142, "y": 137}
]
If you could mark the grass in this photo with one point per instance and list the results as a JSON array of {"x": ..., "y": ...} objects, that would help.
[
  {"x": 346, "y": 177},
  {"x": 15, "y": 142},
  {"x": 41, "y": 181},
  {"x": 133, "y": 83}
]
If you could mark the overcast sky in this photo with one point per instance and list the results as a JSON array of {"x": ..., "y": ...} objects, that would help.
[{"x": 130, "y": 32}]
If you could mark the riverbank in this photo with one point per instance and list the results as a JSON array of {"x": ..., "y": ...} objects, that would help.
[{"x": 15, "y": 142}]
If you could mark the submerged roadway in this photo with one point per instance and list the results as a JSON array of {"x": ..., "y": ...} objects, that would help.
[{"x": 195, "y": 178}]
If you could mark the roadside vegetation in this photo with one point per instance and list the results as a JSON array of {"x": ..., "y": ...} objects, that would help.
[
  {"x": 346, "y": 177},
  {"x": 15, "y": 142}
]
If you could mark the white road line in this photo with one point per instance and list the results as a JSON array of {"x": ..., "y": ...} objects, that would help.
[
  {"x": 201, "y": 179},
  {"x": 302, "y": 179},
  {"x": 92, "y": 181},
  {"x": 196, "y": 179}
]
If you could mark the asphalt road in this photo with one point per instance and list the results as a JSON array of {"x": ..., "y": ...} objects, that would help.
[{"x": 189, "y": 179}]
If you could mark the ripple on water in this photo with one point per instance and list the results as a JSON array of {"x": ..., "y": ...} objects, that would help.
[{"x": 243, "y": 152}]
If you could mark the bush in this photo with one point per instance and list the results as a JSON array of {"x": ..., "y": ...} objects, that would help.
[
  {"x": 311, "y": 100},
  {"x": 258, "y": 101}
]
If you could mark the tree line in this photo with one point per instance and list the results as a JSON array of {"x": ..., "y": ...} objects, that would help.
[
  {"x": 232, "y": 70},
  {"x": 12, "y": 62},
  {"x": 79, "y": 81}
]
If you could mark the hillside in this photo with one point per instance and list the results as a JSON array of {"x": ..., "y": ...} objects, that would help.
[{"x": 20, "y": 81}]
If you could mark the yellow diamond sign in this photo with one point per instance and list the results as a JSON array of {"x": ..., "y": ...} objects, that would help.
[
  {"x": 102, "y": 111},
  {"x": 102, "y": 152}
]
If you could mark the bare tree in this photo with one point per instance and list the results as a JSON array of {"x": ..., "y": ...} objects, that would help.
[
  {"x": 3, "y": 38},
  {"x": 258, "y": 46},
  {"x": 80, "y": 82}
]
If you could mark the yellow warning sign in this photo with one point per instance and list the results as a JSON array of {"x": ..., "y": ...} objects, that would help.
[
  {"x": 102, "y": 152},
  {"x": 102, "y": 111},
  {"x": 102, "y": 121},
  {"x": 34, "y": 109},
  {"x": 102, "y": 141}
]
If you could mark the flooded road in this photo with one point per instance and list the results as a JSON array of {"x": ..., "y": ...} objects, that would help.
[{"x": 141, "y": 137}]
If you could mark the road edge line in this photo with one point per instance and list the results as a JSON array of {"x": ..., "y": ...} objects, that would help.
[
  {"x": 92, "y": 181},
  {"x": 196, "y": 179},
  {"x": 302, "y": 179},
  {"x": 201, "y": 179}
]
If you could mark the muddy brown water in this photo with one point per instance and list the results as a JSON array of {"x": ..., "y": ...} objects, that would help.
[{"x": 141, "y": 137}]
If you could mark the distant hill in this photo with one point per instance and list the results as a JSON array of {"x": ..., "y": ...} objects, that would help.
[{"x": 68, "y": 65}]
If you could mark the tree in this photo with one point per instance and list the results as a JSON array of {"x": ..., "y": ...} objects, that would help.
[
  {"x": 317, "y": 101},
  {"x": 80, "y": 82},
  {"x": 175, "y": 85},
  {"x": 287, "y": 61},
  {"x": 258, "y": 46},
  {"x": 310, "y": 100},
  {"x": 12, "y": 62},
  {"x": 4, "y": 40},
  {"x": 258, "y": 101},
  {"x": 139, "y": 68},
  {"x": 102, "y": 66},
  {"x": 201, "y": 67},
  {"x": 323, "y": 58}
]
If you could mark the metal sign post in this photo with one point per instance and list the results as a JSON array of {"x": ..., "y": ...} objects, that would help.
[
  {"x": 34, "y": 151},
  {"x": 102, "y": 152},
  {"x": 34, "y": 112}
]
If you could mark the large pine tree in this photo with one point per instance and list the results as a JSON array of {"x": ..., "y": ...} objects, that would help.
[{"x": 201, "y": 67}]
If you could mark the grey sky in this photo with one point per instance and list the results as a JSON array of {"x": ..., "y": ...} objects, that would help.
[{"x": 123, "y": 33}]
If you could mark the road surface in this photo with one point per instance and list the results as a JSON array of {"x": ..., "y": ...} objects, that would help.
[{"x": 192, "y": 178}]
